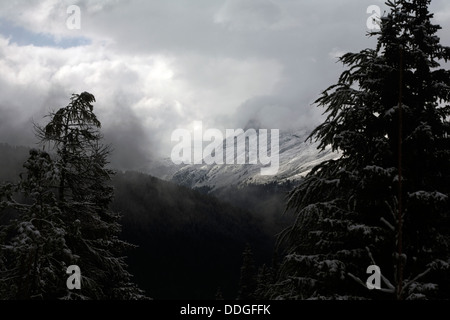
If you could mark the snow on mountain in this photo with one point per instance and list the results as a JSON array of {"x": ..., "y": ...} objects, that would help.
[{"x": 296, "y": 158}]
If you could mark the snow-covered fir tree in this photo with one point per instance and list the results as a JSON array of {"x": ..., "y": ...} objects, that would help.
[
  {"x": 385, "y": 200},
  {"x": 74, "y": 195},
  {"x": 34, "y": 252}
]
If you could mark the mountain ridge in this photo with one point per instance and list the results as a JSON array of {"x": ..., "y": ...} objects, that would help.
[{"x": 297, "y": 157}]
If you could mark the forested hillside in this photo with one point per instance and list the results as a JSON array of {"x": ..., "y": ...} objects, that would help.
[{"x": 189, "y": 244}]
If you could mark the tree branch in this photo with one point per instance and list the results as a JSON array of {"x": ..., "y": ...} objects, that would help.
[
  {"x": 416, "y": 278},
  {"x": 390, "y": 226}
]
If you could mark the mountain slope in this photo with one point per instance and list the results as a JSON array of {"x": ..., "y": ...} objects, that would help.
[
  {"x": 296, "y": 159},
  {"x": 190, "y": 244}
]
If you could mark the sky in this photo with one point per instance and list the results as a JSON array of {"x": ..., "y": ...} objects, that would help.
[{"x": 156, "y": 66}]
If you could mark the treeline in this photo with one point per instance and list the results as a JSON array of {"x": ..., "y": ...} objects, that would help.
[{"x": 189, "y": 244}]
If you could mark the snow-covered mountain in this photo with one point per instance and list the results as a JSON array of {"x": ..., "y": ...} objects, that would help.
[{"x": 296, "y": 159}]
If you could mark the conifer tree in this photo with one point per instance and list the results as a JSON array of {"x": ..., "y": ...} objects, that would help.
[
  {"x": 385, "y": 199},
  {"x": 247, "y": 282},
  {"x": 79, "y": 195},
  {"x": 263, "y": 280},
  {"x": 33, "y": 249}
]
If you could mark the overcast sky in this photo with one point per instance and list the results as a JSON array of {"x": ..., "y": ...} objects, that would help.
[{"x": 155, "y": 66}]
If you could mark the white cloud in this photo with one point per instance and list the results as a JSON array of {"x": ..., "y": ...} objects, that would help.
[
  {"x": 157, "y": 65},
  {"x": 336, "y": 53},
  {"x": 159, "y": 90},
  {"x": 248, "y": 14}
]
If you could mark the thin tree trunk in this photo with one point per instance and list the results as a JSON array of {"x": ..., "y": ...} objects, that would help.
[{"x": 400, "y": 196}]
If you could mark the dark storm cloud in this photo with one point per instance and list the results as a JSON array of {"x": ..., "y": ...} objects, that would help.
[
  {"x": 129, "y": 142},
  {"x": 155, "y": 66}
]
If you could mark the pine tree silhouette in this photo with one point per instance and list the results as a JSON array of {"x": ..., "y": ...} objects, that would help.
[
  {"x": 71, "y": 197},
  {"x": 385, "y": 199}
]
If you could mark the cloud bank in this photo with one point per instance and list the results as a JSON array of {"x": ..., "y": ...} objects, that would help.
[{"x": 155, "y": 66}]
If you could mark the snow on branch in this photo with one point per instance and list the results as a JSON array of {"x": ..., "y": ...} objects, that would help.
[
  {"x": 390, "y": 226},
  {"x": 416, "y": 278}
]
